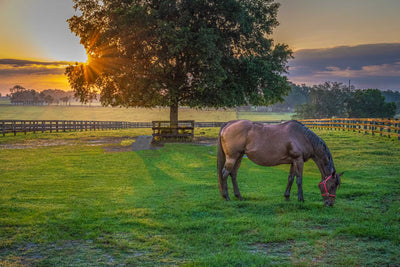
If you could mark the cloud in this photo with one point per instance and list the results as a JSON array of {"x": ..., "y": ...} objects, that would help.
[
  {"x": 367, "y": 66},
  {"x": 27, "y": 67},
  {"x": 384, "y": 70},
  {"x": 38, "y": 75},
  {"x": 21, "y": 62}
]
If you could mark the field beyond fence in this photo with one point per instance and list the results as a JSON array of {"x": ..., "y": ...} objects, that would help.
[{"x": 383, "y": 127}]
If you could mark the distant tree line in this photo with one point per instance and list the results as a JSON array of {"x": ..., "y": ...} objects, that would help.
[
  {"x": 332, "y": 99},
  {"x": 22, "y": 96},
  {"x": 327, "y": 100},
  {"x": 392, "y": 96}
]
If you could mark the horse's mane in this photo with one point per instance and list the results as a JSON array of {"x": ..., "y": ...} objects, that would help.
[{"x": 319, "y": 145}]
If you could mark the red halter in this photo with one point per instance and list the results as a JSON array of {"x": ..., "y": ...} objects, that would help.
[{"x": 326, "y": 189}]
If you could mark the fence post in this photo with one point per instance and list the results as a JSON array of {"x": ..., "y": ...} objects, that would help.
[
  {"x": 4, "y": 128},
  {"x": 373, "y": 127},
  {"x": 398, "y": 129},
  {"x": 396, "y": 125}
]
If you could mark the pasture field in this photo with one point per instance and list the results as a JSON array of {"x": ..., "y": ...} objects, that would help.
[
  {"x": 265, "y": 116},
  {"x": 72, "y": 204},
  {"x": 98, "y": 113}
]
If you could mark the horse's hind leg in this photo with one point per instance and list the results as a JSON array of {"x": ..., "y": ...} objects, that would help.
[
  {"x": 226, "y": 171},
  {"x": 224, "y": 184},
  {"x": 290, "y": 182},
  {"x": 234, "y": 176}
]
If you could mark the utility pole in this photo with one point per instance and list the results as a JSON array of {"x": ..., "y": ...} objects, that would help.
[{"x": 349, "y": 85}]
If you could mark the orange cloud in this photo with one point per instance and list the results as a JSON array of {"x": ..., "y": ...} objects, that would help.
[
  {"x": 32, "y": 75},
  {"x": 384, "y": 70}
]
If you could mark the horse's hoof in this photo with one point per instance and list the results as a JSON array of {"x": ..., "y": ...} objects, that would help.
[
  {"x": 238, "y": 196},
  {"x": 287, "y": 198},
  {"x": 227, "y": 199}
]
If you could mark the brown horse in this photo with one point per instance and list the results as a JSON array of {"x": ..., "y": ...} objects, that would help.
[{"x": 269, "y": 145}]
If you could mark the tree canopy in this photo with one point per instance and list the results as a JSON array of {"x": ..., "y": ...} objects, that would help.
[
  {"x": 325, "y": 101},
  {"x": 370, "y": 104},
  {"x": 196, "y": 53},
  {"x": 338, "y": 100},
  {"x": 22, "y": 96}
]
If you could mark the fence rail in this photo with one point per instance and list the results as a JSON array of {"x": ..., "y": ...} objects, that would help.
[
  {"x": 383, "y": 127},
  {"x": 25, "y": 126}
]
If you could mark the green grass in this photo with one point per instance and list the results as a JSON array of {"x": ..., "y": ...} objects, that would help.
[
  {"x": 8, "y": 112},
  {"x": 108, "y": 113},
  {"x": 78, "y": 206},
  {"x": 265, "y": 116},
  {"x": 4, "y": 101}
]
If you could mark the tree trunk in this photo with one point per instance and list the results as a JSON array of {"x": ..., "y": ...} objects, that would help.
[{"x": 173, "y": 117}]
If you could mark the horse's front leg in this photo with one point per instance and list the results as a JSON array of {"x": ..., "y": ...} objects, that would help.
[
  {"x": 290, "y": 182},
  {"x": 299, "y": 179}
]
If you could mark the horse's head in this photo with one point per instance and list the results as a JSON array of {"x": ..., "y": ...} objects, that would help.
[{"x": 328, "y": 187}]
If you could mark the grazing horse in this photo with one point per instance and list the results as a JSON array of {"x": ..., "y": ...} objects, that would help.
[{"x": 269, "y": 145}]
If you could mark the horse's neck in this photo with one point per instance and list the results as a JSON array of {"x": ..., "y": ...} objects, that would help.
[{"x": 325, "y": 169}]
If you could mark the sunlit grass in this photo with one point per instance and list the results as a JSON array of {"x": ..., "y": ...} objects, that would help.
[
  {"x": 265, "y": 116},
  {"x": 76, "y": 205},
  {"x": 98, "y": 113}
]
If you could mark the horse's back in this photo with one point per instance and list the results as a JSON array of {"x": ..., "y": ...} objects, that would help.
[{"x": 266, "y": 145}]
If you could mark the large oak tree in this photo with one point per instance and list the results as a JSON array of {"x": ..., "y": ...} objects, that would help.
[{"x": 196, "y": 53}]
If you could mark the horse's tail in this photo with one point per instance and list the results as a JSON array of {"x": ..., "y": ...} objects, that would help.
[{"x": 221, "y": 158}]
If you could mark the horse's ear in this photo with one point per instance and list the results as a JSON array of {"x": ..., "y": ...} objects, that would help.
[{"x": 338, "y": 181}]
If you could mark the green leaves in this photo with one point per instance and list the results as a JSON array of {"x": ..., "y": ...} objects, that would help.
[
  {"x": 370, "y": 104},
  {"x": 165, "y": 53},
  {"x": 336, "y": 100}
]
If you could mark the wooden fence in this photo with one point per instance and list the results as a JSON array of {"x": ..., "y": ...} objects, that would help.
[
  {"x": 383, "y": 127},
  {"x": 24, "y": 126}
]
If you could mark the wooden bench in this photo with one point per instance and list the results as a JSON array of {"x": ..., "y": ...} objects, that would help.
[{"x": 184, "y": 132}]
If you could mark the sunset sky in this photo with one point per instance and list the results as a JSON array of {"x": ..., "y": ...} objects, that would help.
[{"x": 341, "y": 40}]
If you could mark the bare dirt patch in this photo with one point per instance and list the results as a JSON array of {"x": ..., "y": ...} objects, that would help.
[
  {"x": 38, "y": 143},
  {"x": 206, "y": 141},
  {"x": 108, "y": 144}
]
